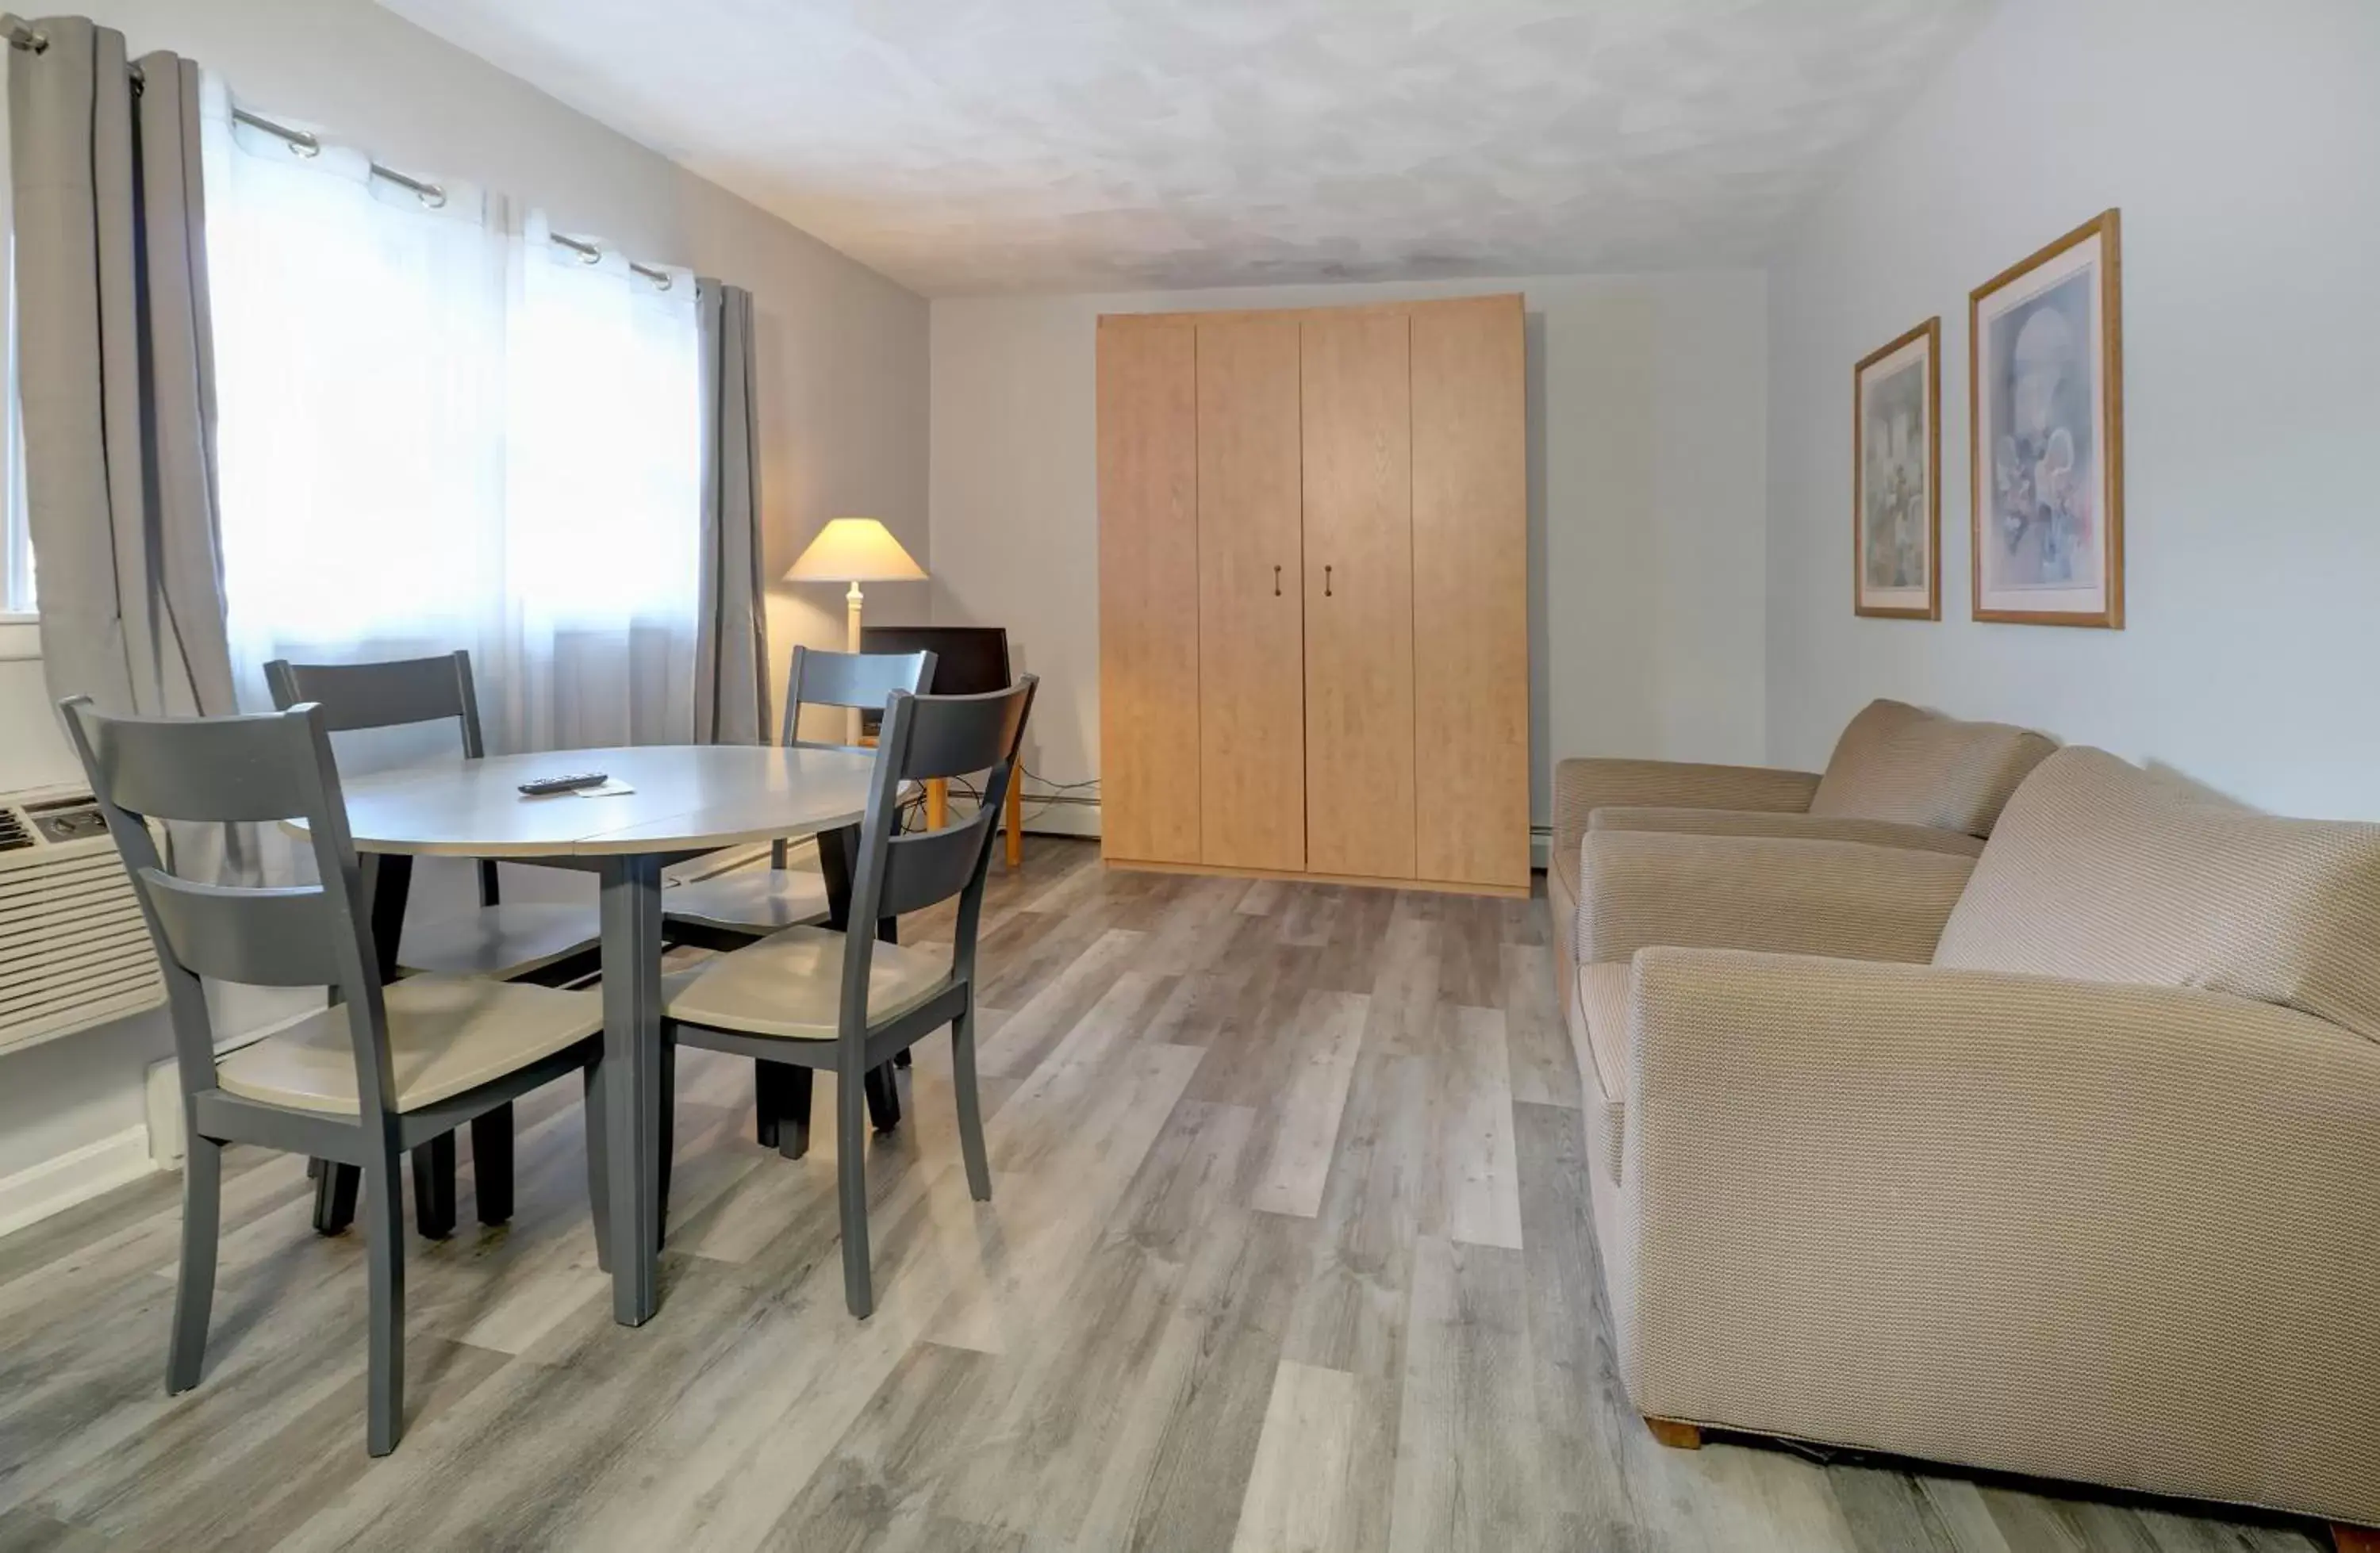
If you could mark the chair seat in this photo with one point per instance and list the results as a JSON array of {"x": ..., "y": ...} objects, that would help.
[
  {"x": 446, "y": 1035},
  {"x": 790, "y": 985},
  {"x": 503, "y": 941},
  {"x": 750, "y": 899}
]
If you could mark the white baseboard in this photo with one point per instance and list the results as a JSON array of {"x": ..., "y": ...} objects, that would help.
[
  {"x": 1048, "y": 814},
  {"x": 79, "y": 1175},
  {"x": 1061, "y": 815}
]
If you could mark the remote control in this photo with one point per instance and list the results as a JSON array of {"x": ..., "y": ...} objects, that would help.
[{"x": 543, "y": 786}]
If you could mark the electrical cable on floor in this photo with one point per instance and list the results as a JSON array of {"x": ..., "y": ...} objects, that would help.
[
  {"x": 1052, "y": 791},
  {"x": 913, "y": 809}
]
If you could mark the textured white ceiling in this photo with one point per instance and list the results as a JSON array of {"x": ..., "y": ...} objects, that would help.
[{"x": 1005, "y": 145}]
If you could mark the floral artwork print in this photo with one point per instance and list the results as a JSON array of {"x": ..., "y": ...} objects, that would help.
[
  {"x": 2046, "y": 456},
  {"x": 1895, "y": 482},
  {"x": 1896, "y": 472},
  {"x": 2042, "y": 530}
]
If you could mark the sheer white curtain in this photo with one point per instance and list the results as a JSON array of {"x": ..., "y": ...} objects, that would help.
[{"x": 439, "y": 428}]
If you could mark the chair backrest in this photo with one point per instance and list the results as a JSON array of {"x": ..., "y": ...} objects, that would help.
[
  {"x": 861, "y": 680},
  {"x": 239, "y": 769},
  {"x": 385, "y": 695},
  {"x": 389, "y": 695},
  {"x": 927, "y": 737}
]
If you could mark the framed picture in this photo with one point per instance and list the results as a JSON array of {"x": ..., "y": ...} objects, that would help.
[
  {"x": 1896, "y": 478},
  {"x": 2046, "y": 403}
]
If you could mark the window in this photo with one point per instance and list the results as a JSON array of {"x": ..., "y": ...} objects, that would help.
[
  {"x": 15, "y": 540},
  {"x": 439, "y": 427}
]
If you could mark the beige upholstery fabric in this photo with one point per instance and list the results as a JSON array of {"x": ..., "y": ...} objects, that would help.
[
  {"x": 1913, "y": 767},
  {"x": 2104, "y": 872},
  {"x": 790, "y": 985},
  {"x": 1599, "y": 1033},
  {"x": 1562, "y": 919},
  {"x": 2119, "y": 1233},
  {"x": 446, "y": 1035},
  {"x": 1801, "y": 827},
  {"x": 1642, "y": 888},
  {"x": 750, "y": 900},
  {"x": 1583, "y": 786},
  {"x": 510, "y": 939}
]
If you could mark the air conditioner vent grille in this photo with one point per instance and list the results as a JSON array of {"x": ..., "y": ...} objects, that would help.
[{"x": 74, "y": 951}]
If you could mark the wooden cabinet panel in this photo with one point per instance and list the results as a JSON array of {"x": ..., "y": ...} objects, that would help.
[
  {"x": 1470, "y": 600},
  {"x": 1149, "y": 605},
  {"x": 1250, "y": 730},
  {"x": 1359, "y": 595}
]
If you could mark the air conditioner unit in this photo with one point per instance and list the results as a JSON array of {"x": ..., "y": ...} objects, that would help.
[{"x": 74, "y": 951}]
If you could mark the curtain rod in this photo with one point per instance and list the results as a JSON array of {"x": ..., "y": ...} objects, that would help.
[
  {"x": 593, "y": 254},
  {"x": 305, "y": 144},
  {"x": 300, "y": 141}
]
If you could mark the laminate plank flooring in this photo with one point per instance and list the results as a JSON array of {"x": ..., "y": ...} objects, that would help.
[{"x": 1289, "y": 1250}]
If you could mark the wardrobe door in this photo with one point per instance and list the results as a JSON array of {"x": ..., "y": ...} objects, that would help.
[
  {"x": 1357, "y": 392},
  {"x": 1148, "y": 612},
  {"x": 1470, "y": 604},
  {"x": 1252, "y": 762}
]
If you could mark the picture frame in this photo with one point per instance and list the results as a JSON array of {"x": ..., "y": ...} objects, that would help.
[
  {"x": 1897, "y": 478},
  {"x": 2045, "y": 448}
]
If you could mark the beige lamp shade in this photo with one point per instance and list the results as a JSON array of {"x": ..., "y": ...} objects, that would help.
[{"x": 856, "y": 549}]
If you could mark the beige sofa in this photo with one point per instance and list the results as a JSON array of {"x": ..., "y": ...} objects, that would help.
[
  {"x": 2065, "y": 1163},
  {"x": 1899, "y": 777}
]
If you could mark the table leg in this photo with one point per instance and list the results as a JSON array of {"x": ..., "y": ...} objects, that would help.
[
  {"x": 632, "y": 1008},
  {"x": 938, "y": 803}
]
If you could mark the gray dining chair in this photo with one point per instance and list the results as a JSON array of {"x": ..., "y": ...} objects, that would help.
[
  {"x": 754, "y": 902},
  {"x": 383, "y": 1068},
  {"x": 508, "y": 940},
  {"x": 845, "y": 1003},
  {"x": 729, "y": 910}
]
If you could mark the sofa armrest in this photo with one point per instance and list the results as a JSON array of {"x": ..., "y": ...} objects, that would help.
[
  {"x": 1582, "y": 786},
  {"x": 1643, "y": 889},
  {"x": 2067, "y": 1228},
  {"x": 1794, "y": 827}
]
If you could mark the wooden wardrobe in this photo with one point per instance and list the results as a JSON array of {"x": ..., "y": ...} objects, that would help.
[{"x": 1312, "y": 593}]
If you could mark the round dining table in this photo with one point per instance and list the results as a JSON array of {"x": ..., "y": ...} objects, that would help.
[{"x": 662, "y": 802}]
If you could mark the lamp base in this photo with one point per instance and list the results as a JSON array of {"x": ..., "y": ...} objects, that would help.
[{"x": 850, "y": 604}]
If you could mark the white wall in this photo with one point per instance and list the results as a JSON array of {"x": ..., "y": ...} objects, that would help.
[
  {"x": 1645, "y": 501},
  {"x": 2242, "y": 144},
  {"x": 843, "y": 363}
]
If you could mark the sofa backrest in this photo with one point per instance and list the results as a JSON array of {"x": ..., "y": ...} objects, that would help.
[
  {"x": 2100, "y": 871},
  {"x": 1913, "y": 767}
]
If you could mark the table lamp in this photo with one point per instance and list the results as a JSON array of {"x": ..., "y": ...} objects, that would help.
[{"x": 854, "y": 550}]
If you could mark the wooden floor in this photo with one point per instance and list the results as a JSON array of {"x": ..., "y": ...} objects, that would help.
[{"x": 1289, "y": 1249}]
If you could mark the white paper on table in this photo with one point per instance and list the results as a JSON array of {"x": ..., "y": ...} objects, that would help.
[{"x": 611, "y": 787}]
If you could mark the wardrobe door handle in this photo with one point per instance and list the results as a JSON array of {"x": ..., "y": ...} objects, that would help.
[
  {"x": 1276, "y": 582},
  {"x": 1326, "y": 582}
]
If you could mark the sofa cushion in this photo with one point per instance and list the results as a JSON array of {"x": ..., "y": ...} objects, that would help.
[
  {"x": 1902, "y": 763},
  {"x": 2100, "y": 871},
  {"x": 1599, "y": 1032},
  {"x": 1790, "y": 827}
]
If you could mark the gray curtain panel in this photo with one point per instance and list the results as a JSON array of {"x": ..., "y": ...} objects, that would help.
[
  {"x": 731, "y": 654},
  {"x": 117, "y": 373}
]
